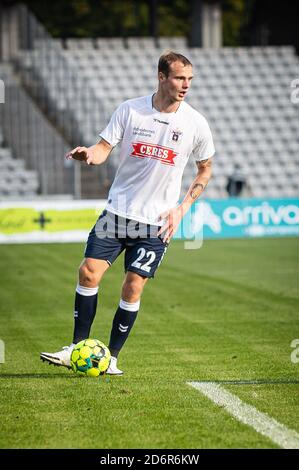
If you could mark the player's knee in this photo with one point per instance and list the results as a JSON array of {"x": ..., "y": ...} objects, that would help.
[
  {"x": 131, "y": 291},
  {"x": 87, "y": 276}
]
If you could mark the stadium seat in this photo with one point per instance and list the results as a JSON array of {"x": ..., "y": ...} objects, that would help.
[{"x": 15, "y": 180}]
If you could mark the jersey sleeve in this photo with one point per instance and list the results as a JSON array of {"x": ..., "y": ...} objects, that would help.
[
  {"x": 204, "y": 146},
  {"x": 114, "y": 131}
]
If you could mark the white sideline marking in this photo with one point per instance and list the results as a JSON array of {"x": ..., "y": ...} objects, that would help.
[{"x": 260, "y": 422}]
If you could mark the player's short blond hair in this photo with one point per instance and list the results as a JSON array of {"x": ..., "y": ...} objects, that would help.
[{"x": 169, "y": 57}]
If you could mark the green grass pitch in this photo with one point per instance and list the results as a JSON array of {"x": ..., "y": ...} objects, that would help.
[{"x": 228, "y": 311}]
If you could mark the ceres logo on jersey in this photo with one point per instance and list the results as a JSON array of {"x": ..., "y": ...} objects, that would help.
[{"x": 157, "y": 152}]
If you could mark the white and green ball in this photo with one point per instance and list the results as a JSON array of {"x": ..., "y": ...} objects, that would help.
[{"x": 90, "y": 357}]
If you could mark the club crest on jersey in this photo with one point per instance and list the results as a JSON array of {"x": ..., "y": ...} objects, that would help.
[
  {"x": 157, "y": 152},
  {"x": 176, "y": 135}
]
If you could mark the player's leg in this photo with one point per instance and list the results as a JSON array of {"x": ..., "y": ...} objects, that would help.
[
  {"x": 91, "y": 272},
  {"x": 102, "y": 249},
  {"x": 125, "y": 316},
  {"x": 142, "y": 259},
  {"x": 126, "y": 313},
  {"x": 100, "y": 253}
]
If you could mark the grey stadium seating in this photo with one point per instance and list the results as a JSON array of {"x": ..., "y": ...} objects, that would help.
[
  {"x": 34, "y": 163},
  {"x": 245, "y": 93},
  {"x": 15, "y": 180}
]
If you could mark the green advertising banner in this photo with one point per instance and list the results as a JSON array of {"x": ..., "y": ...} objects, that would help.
[{"x": 53, "y": 221}]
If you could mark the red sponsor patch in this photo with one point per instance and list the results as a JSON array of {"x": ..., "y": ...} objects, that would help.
[{"x": 145, "y": 150}]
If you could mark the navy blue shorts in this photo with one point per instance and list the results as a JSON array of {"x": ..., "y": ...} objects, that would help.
[{"x": 112, "y": 234}]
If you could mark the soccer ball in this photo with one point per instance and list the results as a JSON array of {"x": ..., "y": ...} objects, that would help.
[{"x": 90, "y": 357}]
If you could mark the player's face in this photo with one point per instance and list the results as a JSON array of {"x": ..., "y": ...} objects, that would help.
[{"x": 178, "y": 82}]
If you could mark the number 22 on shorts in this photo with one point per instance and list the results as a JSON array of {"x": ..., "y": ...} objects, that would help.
[{"x": 150, "y": 256}]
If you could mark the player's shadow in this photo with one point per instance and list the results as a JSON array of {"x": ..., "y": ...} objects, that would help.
[
  {"x": 284, "y": 381},
  {"x": 38, "y": 376}
]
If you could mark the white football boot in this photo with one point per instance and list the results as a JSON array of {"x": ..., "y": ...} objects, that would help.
[
  {"x": 60, "y": 358},
  {"x": 113, "y": 369}
]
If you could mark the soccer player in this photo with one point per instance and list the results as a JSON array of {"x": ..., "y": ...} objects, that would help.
[{"x": 158, "y": 133}]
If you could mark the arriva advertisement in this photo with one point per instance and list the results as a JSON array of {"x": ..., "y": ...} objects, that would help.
[
  {"x": 237, "y": 218},
  {"x": 70, "y": 221}
]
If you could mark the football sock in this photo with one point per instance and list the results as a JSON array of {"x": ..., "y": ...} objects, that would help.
[
  {"x": 123, "y": 322},
  {"x": 85, "y": 309}
]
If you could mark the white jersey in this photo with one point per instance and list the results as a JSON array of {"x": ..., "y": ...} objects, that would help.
[{"x": 154, "y": 151}]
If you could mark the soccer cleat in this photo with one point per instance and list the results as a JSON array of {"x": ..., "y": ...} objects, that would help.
[
  {"x": 60, "y": 358},
  {"x": 113, "y": 369}
]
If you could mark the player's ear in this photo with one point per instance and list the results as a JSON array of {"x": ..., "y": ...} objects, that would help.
[{"x": 161, "y": 76}]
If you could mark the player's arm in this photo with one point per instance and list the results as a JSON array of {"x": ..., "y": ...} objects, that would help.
[
  {"x": 174, "y": 216},
  {"x": 94, "y": 155},
  {"x": 204, "y": 173}
]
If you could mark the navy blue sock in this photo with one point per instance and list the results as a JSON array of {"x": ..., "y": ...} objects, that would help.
[
  {"x": 85, "y": 310},
  {"x": 123, "y": 322}
]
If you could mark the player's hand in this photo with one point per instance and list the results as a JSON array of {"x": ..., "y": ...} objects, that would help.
[
  {"x": 172, "y": 219},
  {"x": 82, "y": 154}
]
